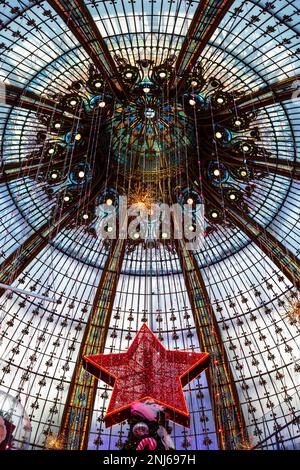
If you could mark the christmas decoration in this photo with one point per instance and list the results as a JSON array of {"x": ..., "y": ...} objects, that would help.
[
  {"x": 147, "y": 409},
  {"x": 147, "y": 371}
]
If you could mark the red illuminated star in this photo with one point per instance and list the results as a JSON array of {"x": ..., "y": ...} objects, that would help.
[{"x": 147, "y": 371}]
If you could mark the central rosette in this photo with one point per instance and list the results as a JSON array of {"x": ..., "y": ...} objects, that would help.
[{"x": 149, "y": 134}]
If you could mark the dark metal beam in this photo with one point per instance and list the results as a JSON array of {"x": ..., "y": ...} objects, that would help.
[
  {"x": 78, "y": 412},
  {"x": 229, "y": 420},
  {"x": 80, "y": 22},
  {"x": 206, "y": 20}
]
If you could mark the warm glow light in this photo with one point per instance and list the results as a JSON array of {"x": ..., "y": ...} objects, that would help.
[
  {"x": 214, "y": 215},
  {"x": 102, "y": 104},
  {"x": 81, "y": 174},
  {"x": 54, "y": 176},
  {"x": 246, "y": 148},
  {"x": 51, "y": 151},
  {"x": 217, "y": 172},
  {"x": 54, "y": 442},
  {"x": 190, "y": 201},
  {"x": 219, "y": 135},
  {"x": 164, "y": 235},
  {"x": 192, "y": 102},
  {"x": 162, "y": 74},
  {"x": 136, "y": 235},
  {"x": 128, "y": 75},
  {"x": 232, "y": 197},
  {"x": 146, "y": 89},
  {"x": 109, "y": 229},
  {"x": 220, "y": 100},
  {"x": 194, "y": 83},
  {"x": 243, "y": 173},
  {"x": 85, "y": 216},
  {"x": 109, "y": 202},
  {"x": 238, "y": 123},
  {"x": 73, "y": 102},
  {"x": 57, "y": 125},
  {"x": 77, "y": 136},
  {"x": 98, "y": 84},
  {"x": 66, "y": 198},
  {"x": 191, "y": 228}
]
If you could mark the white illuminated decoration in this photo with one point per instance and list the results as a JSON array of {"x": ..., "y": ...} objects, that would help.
[{"x": 73, "y": 127}]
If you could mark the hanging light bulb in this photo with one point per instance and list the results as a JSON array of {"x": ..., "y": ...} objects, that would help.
[
  {"x": 243, "y": 173},
  {"x": 51, "y": 150},
  {"x": 81, "y": 174},
  {"x": 232, "y": 196},
  {"x": 162, "y": 74},
  {"x": 109, "y": 202},
  {"x": 217, "y": 172},
  {"x": 238, "y": 123},
  {"x": 128, "y": 75},
  {"x": 220, "y": 100},
  {"x": 192, "y": 102},
  {"x": 98, "y": 85},
  {"x": 246, "y": 148},
  {"x": 77, "y": 137},
  {"x": 67, "y": 198},
  {"x": 194, "y": 83},
  {"x": 85, "y": 216},
  {"x": 57, "y": 125},
  {"x": 190, "y": 201},
  {"x": 73, "y": 102},
  {"x": 219, "y": 135},
  {"x": 54, "y": 176},
  {"x": 146, "y": 89},
  {"x": 102, "y": 104},
  {"x": 214, "y": 215}
]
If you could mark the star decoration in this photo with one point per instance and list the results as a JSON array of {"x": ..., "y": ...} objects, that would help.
[{"x": 147, "y": 371}]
